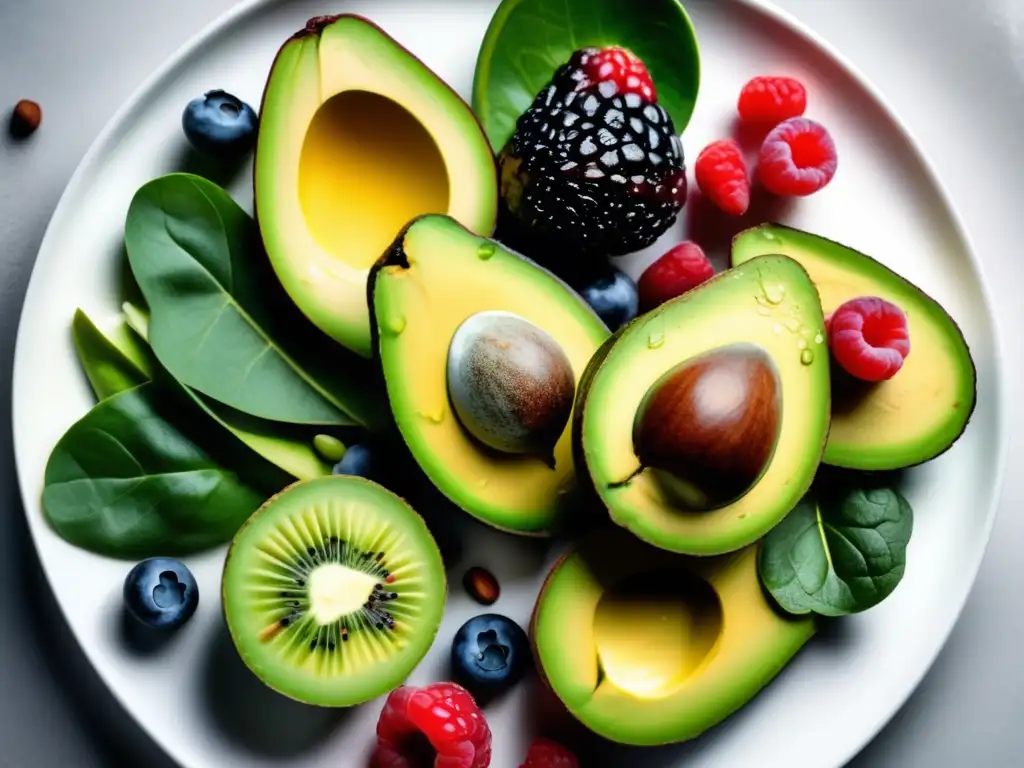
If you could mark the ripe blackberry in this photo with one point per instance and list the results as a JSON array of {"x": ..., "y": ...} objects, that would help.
[{"x": 594, "y": 168}]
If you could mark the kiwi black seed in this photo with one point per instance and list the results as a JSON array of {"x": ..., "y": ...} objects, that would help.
[{"x": 334, "y": 591}]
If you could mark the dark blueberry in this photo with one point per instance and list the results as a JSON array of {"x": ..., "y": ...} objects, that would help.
[
  {"x": 490, "y": 653},
  {"x": 358, "y": 460},
  {"x": 613, "y": 295},
  {"x": 220, "y": 125},
  {"x": 161, "y": 593}
]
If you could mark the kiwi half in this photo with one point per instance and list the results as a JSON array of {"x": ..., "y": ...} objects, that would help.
[{"x": 333, "y": 591}]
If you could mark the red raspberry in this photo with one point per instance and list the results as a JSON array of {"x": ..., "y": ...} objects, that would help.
[
  {"x": 446, "y": 714},
  {"x": 869, "y": 338},
  {"x": 545, "y": 753},
  {"x": 771, "y": 100},
  {"x": 797, "y": 158},
  {"x": 721, "y": 175},
  {"x": 618, "y": 65},
  {"x": 682, "y": 268}
]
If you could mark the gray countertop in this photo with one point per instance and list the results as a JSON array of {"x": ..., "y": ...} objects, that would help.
[{"x": 954, "y": 71}]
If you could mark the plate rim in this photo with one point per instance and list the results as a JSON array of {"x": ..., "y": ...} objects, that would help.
[{"x": 119, "y": 122}]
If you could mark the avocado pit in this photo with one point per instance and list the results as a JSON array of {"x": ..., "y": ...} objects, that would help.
[
  {"x": 510, "y": 384},
  {"x": 709, "y": 426}
]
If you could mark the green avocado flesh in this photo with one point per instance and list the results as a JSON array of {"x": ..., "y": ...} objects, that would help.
[
  {"x": 436, "y": 276},
  {"x": 768, "y": 305},
  {"x": 646, "y": 647},
  {"x": 333, "y": 591},
  {"x": 922, "y": 410},
  {"x": 356, "y": 138}
]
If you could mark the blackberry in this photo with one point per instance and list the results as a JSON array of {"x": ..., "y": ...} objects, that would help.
[{"x": 593, "y": 169}]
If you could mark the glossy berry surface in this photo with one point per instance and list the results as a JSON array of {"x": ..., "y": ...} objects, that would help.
[
  {"x": 589, "y": 67},
  {"x": 679, "y": 270},
  {"x": 544, "y": 753},
  {"x": 721, "y": 174},
  {"x": 869, "y": 338},
  {"x": 220, "y": 125},
  {"x": 490, "y": 653},
  {"x": 797, "y": 158},
  {"x": 439, "y": 725},
  {"x": 358, "y": 460},
  {"x": 612, "y": 294},
  {"x": 769, "y": 100},
  {"x": 161, "y": 593}
]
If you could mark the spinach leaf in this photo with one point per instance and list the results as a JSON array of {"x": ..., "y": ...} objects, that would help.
[
  {"x": 124, "y": 481},
  {"x": 112, "y": 363},
  {"x": 841, "y": 550},
  {"x": 528, "y": 40},
  {"x": 221, "y": 322},
  {"x": 289, "y": 446}
]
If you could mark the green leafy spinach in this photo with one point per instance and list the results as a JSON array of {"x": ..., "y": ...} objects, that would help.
[
  {"x": 841, "y": 550},
  {"x": 528, "y": 40},
  {"x": 220, "y": 321}
]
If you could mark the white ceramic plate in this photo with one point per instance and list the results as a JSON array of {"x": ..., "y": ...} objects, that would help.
[{"x": 194, "y": 696}]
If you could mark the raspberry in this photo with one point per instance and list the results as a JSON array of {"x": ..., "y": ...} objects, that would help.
[
  {"x": 797, "y": 158},
  {"x": 592, "y": 66},
  {"x": 869, "y": 338},
  {"x": 722, "y": 176},
  {"x": 771, "y": 100},
  {"x": 682, "y": 268},
  {"x": 545, "y": 753},
  {"x": 444, "y": 713}
]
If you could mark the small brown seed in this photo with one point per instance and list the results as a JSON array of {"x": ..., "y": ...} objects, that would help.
[
  {"x": 481, "y": 585},
  {"x": 25, "y": 118}
]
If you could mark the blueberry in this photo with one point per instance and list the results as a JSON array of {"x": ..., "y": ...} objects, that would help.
[
  {"x": 161, "y": 593},
  {"x": 358, "y": 460},
  {"x": 613, "y": 295},
  {"x": 490, "y": 653},
  {"x": 220, "y": 125}
]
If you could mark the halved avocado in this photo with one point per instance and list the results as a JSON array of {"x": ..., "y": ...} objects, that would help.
[
  {"x": 437, "y": 275},
  {"x": 921, "y": 411},
  {"x": 646, "y": 647},
  {"x": 357, "y": 137},
  {"x": 767, "y": 307}
]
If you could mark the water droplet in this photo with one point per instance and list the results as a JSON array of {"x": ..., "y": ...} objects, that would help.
[
  {"x": 655, "y": 340},
  {"x": 434, "y": 417},
  {"x": 801, "y": 344},
  {"x": 485, "y": 251},
  {"x": 742, "y": 515},
  {"x": 774, "y": 294},
  {"x": 792, "y": 325},
  {"x": 769, "y": 236},
  {"x": 396, "y": 324},
  {"x": 807, "y": 357},
  {"x": 818, "y": 338},
  {"x": 764, "y": 311},
  {"x": 777, "y": 328}
]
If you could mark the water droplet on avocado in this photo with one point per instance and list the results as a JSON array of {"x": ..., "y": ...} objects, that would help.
[
  {"x": 773, "y": 294},
  {"x": 770, "y": 237},
  {"x": 655, "y": 339},
  {"x": 764, "y": 311},
  {"x": 792, "y": 325},
  {"x": 818, "y": 338},
  {"x": 395, "y": 324},
  {"x": 434, "y": 417},
  {"x": 807, "y": 357},
  {"x": 777, "y": 328},
  {"x": 485, "y": 251},
  {"x": 801, "y": 344}
]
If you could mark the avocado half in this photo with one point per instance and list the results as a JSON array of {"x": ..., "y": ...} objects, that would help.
[
  {"x": 357, "y": 137},
  {"x": 435, "y": 276},
  {"x": 770, "y": 305},
  {"x": 921, "y": 411},
  {"x": 645, "y": 647}
]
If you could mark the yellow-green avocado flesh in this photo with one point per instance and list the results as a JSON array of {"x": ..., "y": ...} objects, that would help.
[
  {"x": 921, "y": 411},
  {"x": 646, "y": 647},
  {"x": 356, "y": 138},
  {"x": 769, "y": 303},
  {"x": 436, "y": 275}
]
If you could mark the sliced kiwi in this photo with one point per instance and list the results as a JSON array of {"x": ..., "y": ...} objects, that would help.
[{"x": 333, "y": 591}]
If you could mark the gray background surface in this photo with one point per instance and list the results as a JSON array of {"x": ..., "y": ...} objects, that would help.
[{"x": 953, "y": 70}]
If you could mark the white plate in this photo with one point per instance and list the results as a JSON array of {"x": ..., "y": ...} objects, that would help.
[{"x": 196, "y": 699}]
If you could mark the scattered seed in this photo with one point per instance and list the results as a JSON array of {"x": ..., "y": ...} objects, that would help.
[
  {"x": 481, "y": 585},
  {"x": 25, "y": 118}
]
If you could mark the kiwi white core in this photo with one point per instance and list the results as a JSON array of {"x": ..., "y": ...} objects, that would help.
[{"x": 335, "y": 591}]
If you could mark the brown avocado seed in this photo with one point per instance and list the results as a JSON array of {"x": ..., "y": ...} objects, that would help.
[
  {"x": 710, "y": 425},
  {"x": 510, "y": 383}
]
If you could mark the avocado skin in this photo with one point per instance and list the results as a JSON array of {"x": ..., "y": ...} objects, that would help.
[{"x": 972, "y": 372}]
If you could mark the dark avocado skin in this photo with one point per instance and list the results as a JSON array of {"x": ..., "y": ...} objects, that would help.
[{"x": 774, "y": 225}]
